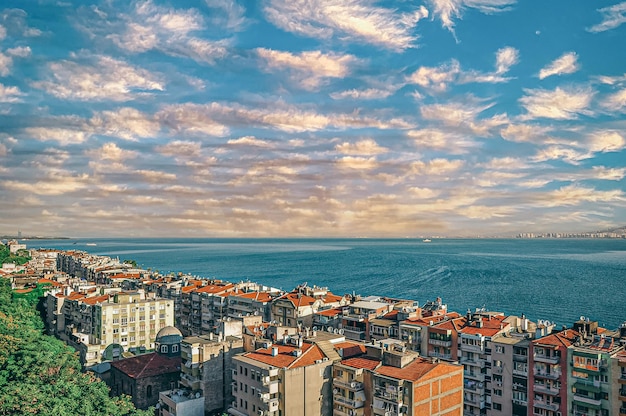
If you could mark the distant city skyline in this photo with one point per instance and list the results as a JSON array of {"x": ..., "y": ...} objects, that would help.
[{"x": 335, "y": 118}]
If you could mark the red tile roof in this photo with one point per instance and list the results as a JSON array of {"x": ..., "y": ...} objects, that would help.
[
  {"x": 258, "y": 296},
  {"x": 147, "y": 365},
  {"x": 298, "y": 300},
  {"x": 350, "y": 349},
  {"x": 285, "y": 357},
  {"x": 96, "y": 299},
  {"x": 361, "y": 362},
  {"x": 413, "y": 371},
  {"x": 559, "y": 339},
  {"x": 490, "y": 326},
  {"x": 329, "y": 312}
]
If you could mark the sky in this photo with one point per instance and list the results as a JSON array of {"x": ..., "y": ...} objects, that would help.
[{"x": 312, "y": 118}]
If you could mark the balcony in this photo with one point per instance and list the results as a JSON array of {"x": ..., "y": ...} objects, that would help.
[
  {"x": 350, "y": 385},
  {"x": 472, "y": 348},
  {"x": 354, "y": 404},
  {"x": 388, "y": 395},
  {"x": 540, "y": 358},
  {"x": 440, "y": 342},
  {"x": 440, "y": 355},
  {"x": 586, "y": 400},
  {"x": 474, "y": 376},
  {"x": 521, "y": 358},
  {"x": 622, "y": 411},
  {"x": 542, "y": 388},
  {"x": 550, "y": 376},
  {"x": 546, "y": 406},
  {"x": 356, "y": 334}
]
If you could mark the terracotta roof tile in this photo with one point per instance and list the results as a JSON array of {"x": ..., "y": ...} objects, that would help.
[
  {"x": 361, "y": 362},
  {"x": 147, "y": 365},
  {"x": 285, "y": 357},
  {"x": 559, "y": 339},
  {"x": 415, "y": 370}
]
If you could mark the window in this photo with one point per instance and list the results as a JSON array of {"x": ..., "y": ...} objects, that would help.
[
  {"x": 500, "y": 349},
  {"x": 149, "y": 391},
  {"x": 174, "y": 348},
  {"x": 164, "y": 349},
  {"x": 497, "y": 406}
]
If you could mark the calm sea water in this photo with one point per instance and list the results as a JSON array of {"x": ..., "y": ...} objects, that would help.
[{"x": 554, "y": 279}]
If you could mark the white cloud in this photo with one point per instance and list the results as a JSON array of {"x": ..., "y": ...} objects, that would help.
[
  {"x": 104, "y": 79},
  {"x": 168, "y": 30},
  {"x": 358, "y": 163},
  {"x": 451, "y": 142},
  {"x": 362, "y": 147},
  {"x": 353, "y": 20},
  {"x": 180, "y": 149},
  {"x": 560, "y": 104},
  {"x": 125, "y": 123},
  {"x": 62, "y": 135},
  {"x": 447, "y": 10},
  {"x": 565, "y": 64},
  {"x": 112, "y": 152},
  {"x": 439, "y": 166},
  {"x": 612, "y": 17},
  {"x": 435, "y": 78},
  {"x": 20, "y": 51},
  {"x": 525, "y": 133},
  {"x": 156, "y": 176},
  {"x": 606, "y": 141},
  {"x": 309, "y": 68},
  {"x": 250, "y": 141},
  {"x": 9, "y": 94},
  {"x": 5, "y": 64},
  {"x": 615, "y": 102},
  {"x": 365, "y": 94},
  {"x": 505, "y": 59},
  {"x": 576, "y": 195},
  {"x": 227, "y": 14}
]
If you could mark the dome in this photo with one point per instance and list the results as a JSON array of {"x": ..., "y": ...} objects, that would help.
[
  {"x": 168, "y": 340},
  {"x": 168, "y": 331}
]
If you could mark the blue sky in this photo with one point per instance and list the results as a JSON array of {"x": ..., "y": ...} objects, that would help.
[{"x": 338, "y": 118}]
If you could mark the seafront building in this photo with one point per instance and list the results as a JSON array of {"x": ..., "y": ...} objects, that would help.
[{"x": 253, "y": 350}]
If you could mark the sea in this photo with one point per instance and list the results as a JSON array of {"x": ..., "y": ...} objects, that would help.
[{"x": 556, "y": 280}]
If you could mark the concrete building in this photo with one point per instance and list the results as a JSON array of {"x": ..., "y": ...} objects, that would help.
[
  {"x": 510, "y": 386},
  {"x": 408, "y": 385},
  {"x": 355, "y": 320},
  {"x": 144, "y": 376},
  {"x": 110, "y": 323},
  {"x": 475, "y": 355},
  {"x": 292, "y": 379},
  {"x": 593, "y": 368},
  {"x": 547, "y": 365},
  {"x": 349, "y": 395}
]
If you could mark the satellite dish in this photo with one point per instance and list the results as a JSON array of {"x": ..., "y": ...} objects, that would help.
[
  {"x": 314, "y": 328},
  {"x": 336, "y": 331},
  {"x": 582, "y": 318},
  {"x": 341, "y": 332},
  {"x": 329, "y": 329}
]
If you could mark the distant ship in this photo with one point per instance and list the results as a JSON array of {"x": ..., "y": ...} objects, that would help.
[
  {"x": 427, "y": 240},
  {"x": 90, "y": 244}
]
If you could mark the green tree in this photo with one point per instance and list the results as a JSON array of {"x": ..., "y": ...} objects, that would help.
[{"x": 41, "y": 375}]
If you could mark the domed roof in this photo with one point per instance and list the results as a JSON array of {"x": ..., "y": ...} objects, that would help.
[{"x": 168, "y": 331}]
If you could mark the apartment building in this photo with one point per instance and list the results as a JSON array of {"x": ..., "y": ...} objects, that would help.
[
  {"x": 593, "y": 368},
  {"x": 475, "y": 356},
  {"x": 250, "y": 303},
  {"x": 283, "y": 379},
  {"x": 619, "y": 378},
  {"x": 119, "y": 321},
  {"x": 547, "y": 366},
  {"x": 407, "y": 385},
  {"x": 355, "y": 320},
  {"x": 349, "y": 395},
  {"x": 509, "y": 387}
]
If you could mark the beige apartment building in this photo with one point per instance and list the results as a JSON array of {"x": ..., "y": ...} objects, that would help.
[{"x": 102, "y": 326}]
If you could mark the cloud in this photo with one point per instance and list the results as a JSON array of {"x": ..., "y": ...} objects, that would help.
[
  {"x": 309, "y": 68},
  {"x": 5, "y": 64},
  {"x": 168, "y": 30},
  {"x": 181, "y": 149},
  {"x": 112, "y": 152},
  {"x": 436, "y": 167},
  {"x": 249, "y": 141},
  {"x": 57, "y": 183},
  {"x": 125, "y": 123},
  {"x": 615, "y": 102},
  {"x": 576, "y": 195},
  {"x": 365, "y": 94},
  {"x": 9, "y": 94},
  {"x": 565, "y": 64},
  {"x": 358, "y": 163},
  {"x": 447, "y": 10},
  {"x": 156, "y": 176},
  {"x": 367, "y": 147},
  {"x": 351, "y": 20},
  {"x": 559, "y": 104},
  {"x": 227, "y": 14},
  {"x": 606, "y": 141},
  {"x": 104, "y": 78},
  {"x": 435, "y": 78},
  {"x": 612, "y": 17},
  {"x": 525, "y": 133},
  {"x": 505, "y": 59},
  {"x": 437, "y": 139},
  {"x": 63, "y": 136}
]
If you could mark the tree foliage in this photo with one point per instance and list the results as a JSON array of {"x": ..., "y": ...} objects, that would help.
[
  {"x": 41, "y": 375},
  {"x": 21, "y": 257}
]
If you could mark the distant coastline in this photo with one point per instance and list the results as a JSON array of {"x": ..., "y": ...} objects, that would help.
[{"x": 31, "y": 237}]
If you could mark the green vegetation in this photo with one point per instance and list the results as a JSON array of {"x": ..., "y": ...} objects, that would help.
[
  {"x": 41, "y": 375},
  {"x": 131, "y": 262},
  {"x": 21, "y": 257}
]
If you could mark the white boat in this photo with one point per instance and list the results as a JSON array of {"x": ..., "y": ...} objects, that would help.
[
  {"x": 426, "y": 240},
  {"x": 90, "y": 244}
]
